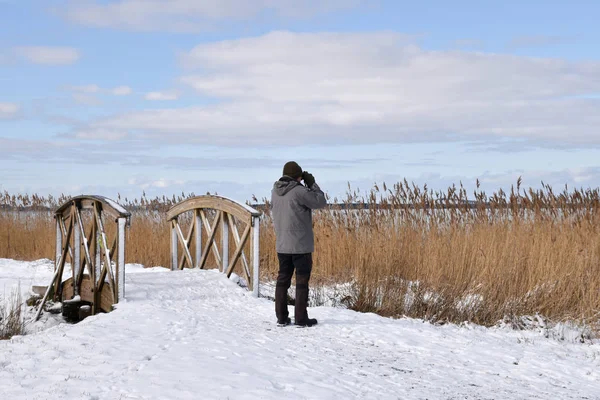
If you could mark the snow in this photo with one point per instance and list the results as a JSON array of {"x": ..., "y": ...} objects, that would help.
[
  {"x": 251, "y": 210},
  {"x": 114, "y": 205},
  {"x": 21, "y": 275},
  {"x": 195, "y": 334}
]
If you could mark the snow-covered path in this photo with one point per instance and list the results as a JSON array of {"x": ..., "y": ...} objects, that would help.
[{"x": 196, "y": 335}]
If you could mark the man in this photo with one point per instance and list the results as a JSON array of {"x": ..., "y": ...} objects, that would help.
[{"x": 292, "y": 205}]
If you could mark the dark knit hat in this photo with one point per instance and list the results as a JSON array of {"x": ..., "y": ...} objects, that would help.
[{"x": 292, "y": 169}]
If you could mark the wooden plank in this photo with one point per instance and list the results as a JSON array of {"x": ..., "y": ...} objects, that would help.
[
  {"x": 63, "y": 260},
  {"x": 238, "y": 252},
  {"x": 225, "y": 242},
  {"x": 185, "y": 243},
  {"x": 94, "y": 268},
  {"x": 105, "y": 300},
  {"x": 107, "y": 259},
  {"x": 213, "y": 202},
  {"x": 59, "y": 242},
  {"x": 106, "y": 205},
  {"x": 255, "y": 249},
  {"x": 236, "y": 237},
  {"x": 212, "y": 233},
  {"x": 188, "y": 243},
  {"x": 174, "y": 245},
  {"x": 86, "y": 245},
  {"x": 64, "y": 230},
  {"x": 76, "y": 266},
  {"x": 198, "y": 237},
  {"x": 121, "y": 260},
  {"x": 105, "y": 271}
]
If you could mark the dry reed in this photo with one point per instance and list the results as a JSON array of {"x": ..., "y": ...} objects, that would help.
[
  {"x": 11, "y": 318},
  {"x": 407, "y": 250}
]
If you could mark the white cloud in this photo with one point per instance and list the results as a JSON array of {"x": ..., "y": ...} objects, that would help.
[
  {"x": 537, "y": 41},
  {"x": 85, "y": 94},
  {"x": 161, "y": 96},
  {"x": 467, "y": 44},
  {"x": 121, "y": 91},
  {"x": 146, "y": 183},
  {"x": 103, "y": 135},
  {"x": 8, "y": 110},
  {"x": 86, "y": 88},
  {"x": 48, "y": 55},
  {"x": 372, "y": 87},
  {"x": 192, "y": 15},
  {"x": 86, "y": 99}
]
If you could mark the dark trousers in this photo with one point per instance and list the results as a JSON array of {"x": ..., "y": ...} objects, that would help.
[{"x": 302, "y": 263}]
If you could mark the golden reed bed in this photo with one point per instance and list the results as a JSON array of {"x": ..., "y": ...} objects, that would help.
[{"x": 406, "y": 250}]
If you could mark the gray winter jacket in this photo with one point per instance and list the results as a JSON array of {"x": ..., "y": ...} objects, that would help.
[{"x": 292, "y": 204}]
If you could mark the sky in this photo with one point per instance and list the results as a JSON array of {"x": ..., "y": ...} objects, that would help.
[{"x": 163, "y": 97}]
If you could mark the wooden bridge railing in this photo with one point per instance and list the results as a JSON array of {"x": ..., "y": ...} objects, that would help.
[
  {"x": 227, "y": 215},
  {"x": 103, "y": 259}
]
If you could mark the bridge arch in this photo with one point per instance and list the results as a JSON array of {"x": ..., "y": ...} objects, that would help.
[
  {"x": 81, "y": 224},
  {"x": 227, "y": 216}
]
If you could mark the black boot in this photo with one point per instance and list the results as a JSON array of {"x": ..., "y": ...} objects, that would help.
[{"x": 308, "y": 322}]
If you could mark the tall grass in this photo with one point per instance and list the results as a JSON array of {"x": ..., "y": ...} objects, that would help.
[
  {"x": 11, "y": 318},
  {"x": 407, "y": 250}
]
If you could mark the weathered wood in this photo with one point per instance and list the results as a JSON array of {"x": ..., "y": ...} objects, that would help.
[
  {"x": 212, "y": 233},
  {"x": 105, "y": 271},
  {"x": 107, "y": 258},
  {"x": 212, "y": 202},
  {"x": 87, "y": 261},
  {"x": 105, "y": 204},
  {"x": 59, "y": 241},
  {"x": 255, "y": 255},
  {"x": 198, "y": 237},
  {"x": 121, "y": 260},
  {"x": 225, "y": 242},
  {"x": 76, "y": 266},
  {"x": 105, "y": 300},
  {"x": 63, "y": 257},
  {"x": 66, "y": 241},
  {"x": 185, "y": 243},
  {"x": 174, "y": 245},
  {"x": 86, "y": 245},
  {"x": 95, "y": 269},
  {"x": 238, "y": 252},
  {"x": 236, "y": 238}
]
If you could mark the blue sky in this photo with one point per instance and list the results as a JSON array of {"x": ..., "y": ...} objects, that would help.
[{"x": 107, "y": 97}]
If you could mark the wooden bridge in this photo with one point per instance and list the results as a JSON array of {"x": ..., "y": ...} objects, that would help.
[{"x": 90, "y": 235}]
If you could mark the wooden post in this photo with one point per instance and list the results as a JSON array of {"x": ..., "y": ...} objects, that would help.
[
  {"x": 77, "y": 253},
  {"x": 225, "y": 244},
  {"x": 86, "y": 249},
  {"x": 174, "y": 245},
  {"x": 121, "y": 261},
  {"x": 97, "y": 260},
  {"x": 59, "y": 241},
  {"x": 198, "y": 237},
  {"x": 255, "y": 256}
]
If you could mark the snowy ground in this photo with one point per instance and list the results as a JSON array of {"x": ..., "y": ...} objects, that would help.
[{"x": 197, "y": 335}]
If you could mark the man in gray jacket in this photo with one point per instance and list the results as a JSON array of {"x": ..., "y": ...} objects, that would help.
[{"x": 292, "y": 205}]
